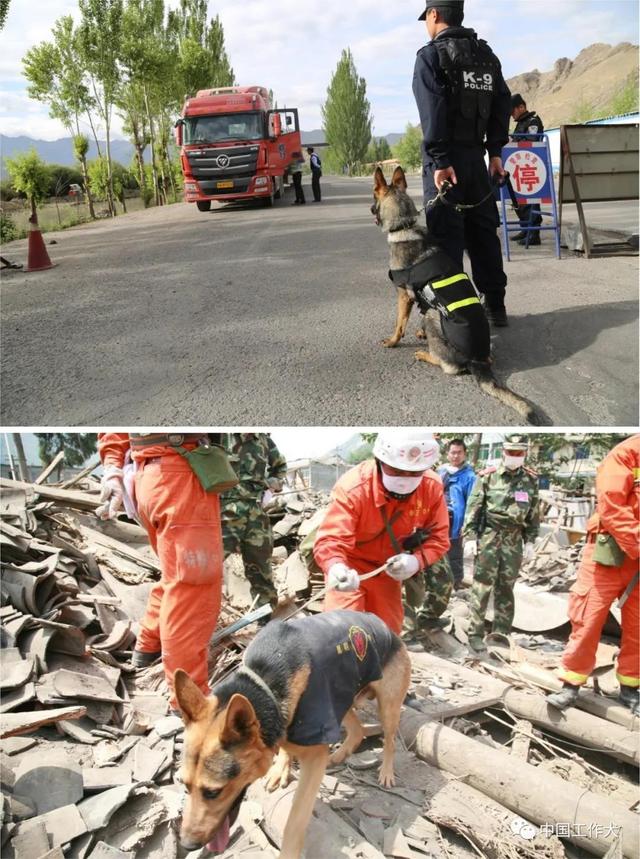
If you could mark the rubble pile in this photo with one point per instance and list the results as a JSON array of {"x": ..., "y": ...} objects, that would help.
[
  {"x": 554, "y": 565},
  {"x": 90, "y": 753}
]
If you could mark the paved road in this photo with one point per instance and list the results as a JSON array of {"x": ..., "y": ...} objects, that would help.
[{"x": 252, "y": 317}]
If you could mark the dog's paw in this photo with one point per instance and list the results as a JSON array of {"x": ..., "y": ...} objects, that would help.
[
  {"x": 421, "y": 334},
  {"x": 427, "y": 357},
  {"x": 278, "y": 776},
  {"x": 387, "y": 777},
  {"x": 390, "y": 342}
]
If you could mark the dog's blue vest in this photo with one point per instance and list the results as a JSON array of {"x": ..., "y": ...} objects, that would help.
[{"x": 348, "y": 650}]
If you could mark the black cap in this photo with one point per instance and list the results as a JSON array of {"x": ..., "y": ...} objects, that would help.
[
  {"x": 517, "y": 100},
  {"x": 454, "y": 4}
]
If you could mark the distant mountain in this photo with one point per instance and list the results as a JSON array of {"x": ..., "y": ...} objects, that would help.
[
  {"x": 579, "y": 89},
  {"x": 61, "y": 151}
]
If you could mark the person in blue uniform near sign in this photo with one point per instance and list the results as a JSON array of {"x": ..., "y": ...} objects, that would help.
[
  {"x": 528, "y": 127},
  {"x": 464, "y": 106}
]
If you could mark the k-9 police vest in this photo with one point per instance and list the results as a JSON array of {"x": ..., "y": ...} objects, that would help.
[{"x": 471, "y": 70}]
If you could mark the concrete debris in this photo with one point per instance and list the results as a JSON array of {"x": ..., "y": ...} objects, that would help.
[{"x": 91, "y": 754}]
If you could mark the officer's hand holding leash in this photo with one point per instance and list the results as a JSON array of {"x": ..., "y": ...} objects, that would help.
[
  {"x": 403, "y": 566},
  {"x": 446, "y": 174},
  {"x": 496, "y": 168},
  {"x": 341, "y": 578}
]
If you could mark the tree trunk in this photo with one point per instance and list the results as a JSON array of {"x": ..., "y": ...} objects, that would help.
[
  {"x": 174, "y": 189},
  {"x": 537, "y": 795},
  {"x": 152, "y": 145},
  {"x": 474, "y": 450},
  {"x": 141, "y": 176},
  {"x": 110, "y": 194},
  {"x": 87, "y": 187},
  {"x": 23, "y": 468}
]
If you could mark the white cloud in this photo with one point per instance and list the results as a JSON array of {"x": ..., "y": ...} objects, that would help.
[{"x": 294, "y": 47}]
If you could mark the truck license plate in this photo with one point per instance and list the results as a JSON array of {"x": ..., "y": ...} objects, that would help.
[{"x": 224, "y": 184}]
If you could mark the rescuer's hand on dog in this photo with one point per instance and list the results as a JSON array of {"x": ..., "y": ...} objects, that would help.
[
  {"x": 470, "y": 549},
  {"x": 446, "y": 174},
  {"x": 341, "y": 578},
  {"x": 401, "y": 567},
  {"x": 111, "y": 495}
]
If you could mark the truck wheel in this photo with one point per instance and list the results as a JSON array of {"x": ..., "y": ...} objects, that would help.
[{"x": 203, "y": 205}]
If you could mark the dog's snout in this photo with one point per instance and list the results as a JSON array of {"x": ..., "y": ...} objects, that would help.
[{"x": 190, "y": 844}]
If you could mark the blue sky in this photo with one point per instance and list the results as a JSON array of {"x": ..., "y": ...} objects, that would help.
[{"x": 293, "y": 46}]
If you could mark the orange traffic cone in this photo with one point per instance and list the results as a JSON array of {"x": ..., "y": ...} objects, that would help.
[{"x": 38, "y": 258}]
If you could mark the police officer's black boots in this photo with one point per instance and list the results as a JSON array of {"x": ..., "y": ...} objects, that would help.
[
  {"x": 630, "y": 697},
  {"x": 566, "y": 697},
  {"x": 497, "y": 316}
]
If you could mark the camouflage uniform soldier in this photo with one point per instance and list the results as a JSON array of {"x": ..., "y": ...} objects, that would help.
[
  {"x": 246, "y": 528},
  {"x": 502, "y": 513},
  {"x": 427, "y": 596}
]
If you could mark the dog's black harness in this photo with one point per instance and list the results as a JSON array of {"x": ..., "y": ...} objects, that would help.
[{"x": 438, "y": 284}]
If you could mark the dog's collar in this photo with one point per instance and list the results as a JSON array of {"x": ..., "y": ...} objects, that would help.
[
  {"x": 406, "y": 234},
  {"x": 248, "y": 672}
]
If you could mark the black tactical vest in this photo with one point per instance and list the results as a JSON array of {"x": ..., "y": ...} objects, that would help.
[{"x": 471, "y": 70}]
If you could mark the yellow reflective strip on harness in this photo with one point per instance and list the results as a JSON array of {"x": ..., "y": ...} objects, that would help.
[
  {"x": 464, "y": 303},
  {"x": 439, "y": 284}
]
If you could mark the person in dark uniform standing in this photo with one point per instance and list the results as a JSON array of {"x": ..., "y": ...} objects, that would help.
[
  {"x": 464, "y": 107},
  {"x": 316, "y": 172},
  {"x": 527, "y": 123}
]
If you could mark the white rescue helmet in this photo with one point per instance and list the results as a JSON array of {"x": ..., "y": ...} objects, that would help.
[{"x": 410, "y": 450}]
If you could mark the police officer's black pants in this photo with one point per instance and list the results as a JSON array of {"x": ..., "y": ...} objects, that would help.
[
  {"x": 532, "y": 211},
  {"x": 297, "y": 184},
  {"x": 315, "y": 185},
  {"x": 456, "y": 560},
  {"x": 475, "y": 229}
]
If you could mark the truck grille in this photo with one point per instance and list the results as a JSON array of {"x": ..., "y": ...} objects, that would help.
[{"x": 223, "y": 162}]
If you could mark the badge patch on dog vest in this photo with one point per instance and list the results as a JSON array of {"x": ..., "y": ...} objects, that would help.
[{"x": 359, "y": 641}]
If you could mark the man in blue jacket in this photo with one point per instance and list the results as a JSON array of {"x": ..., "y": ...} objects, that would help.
[{"x": 458, "y": 478}]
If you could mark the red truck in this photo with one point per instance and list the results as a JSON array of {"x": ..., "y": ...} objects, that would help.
[{"x": 233, "y": 146}]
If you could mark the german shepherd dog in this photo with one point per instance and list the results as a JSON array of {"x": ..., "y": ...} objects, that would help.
[
  {"x": 409, "y": 246},
  {"x": 299, "y": 681}
]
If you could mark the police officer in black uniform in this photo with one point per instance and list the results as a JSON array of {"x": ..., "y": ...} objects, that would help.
[
  {"x": 464, "y": 107},
  {"x": 527, "y": 123}
]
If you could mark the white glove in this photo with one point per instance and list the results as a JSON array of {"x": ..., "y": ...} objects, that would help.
[
  {"x": 470, "y": 549},
  {"x": 529, "y": 552},
  {"x": 401, "y": 567},
  {"x": 111, "y": 495},
  {"x": 274, "y": 484},
  {"x": 267, "y": 498},
  {"x": 341, "y": 578}
]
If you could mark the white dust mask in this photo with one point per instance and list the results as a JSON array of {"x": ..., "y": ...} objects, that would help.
[
  {"x": 452, "y": 469},
  {"x": 513, "y": 462},
  {"x": 401, "y": 485}
]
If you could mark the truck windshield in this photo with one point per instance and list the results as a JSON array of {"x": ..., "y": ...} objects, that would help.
[{"x": 229, "y": 126}]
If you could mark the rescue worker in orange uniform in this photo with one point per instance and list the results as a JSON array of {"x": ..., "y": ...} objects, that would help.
[
  {"x": 183, "y": 525},
  {"x": 377, "y": 512},
  {"x": 599, "y": 584}
]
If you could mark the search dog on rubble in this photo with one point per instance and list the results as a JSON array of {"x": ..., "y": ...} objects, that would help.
[
  {"x": 454, "y": 324},
  {"x": 298, "y": 683}
]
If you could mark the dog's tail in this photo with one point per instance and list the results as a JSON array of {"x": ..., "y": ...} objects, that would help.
[{"x": 483, "y": 374}]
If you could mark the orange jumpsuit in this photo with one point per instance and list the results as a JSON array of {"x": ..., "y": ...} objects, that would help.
[
  {"x": 353, "y": 533},
  {"x": 183, "y": 524},
  {"x": 597, "y": 586}
]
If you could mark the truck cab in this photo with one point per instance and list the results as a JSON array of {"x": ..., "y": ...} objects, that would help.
[{"x": 234, "y": 146}]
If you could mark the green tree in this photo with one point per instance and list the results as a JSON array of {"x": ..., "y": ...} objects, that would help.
[
  {"x": 626, "y": 100},
  {"x": 346, "y": 114},
  {"x": 56, "y": 76},
  {"x": 77, "y": 446},
  {"x": 80, "y": 151},
  {"x": 30, "y": 175},
  {"x": 378, "y": 150},
  {"x": 203, "y": 62},
  {"x": 101, "y": 44},
  {"x": 408, "y": 150},
  {"x": 4, "y": 11}
]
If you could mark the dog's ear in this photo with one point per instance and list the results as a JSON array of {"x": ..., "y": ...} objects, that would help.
[
  {"x": 399, "y": 179},
  {"x": 239, "y": 721},
  {"x": 191, "y": 701},
  {"x": 379, "y": 182}
]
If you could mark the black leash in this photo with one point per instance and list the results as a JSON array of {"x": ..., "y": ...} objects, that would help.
[{"x": 463, "y": 207}]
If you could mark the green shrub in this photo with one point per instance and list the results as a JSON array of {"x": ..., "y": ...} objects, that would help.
[{"x": 8, "y": 230}]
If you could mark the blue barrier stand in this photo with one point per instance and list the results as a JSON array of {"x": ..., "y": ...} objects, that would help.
[{"x": 527, "y": 159}]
